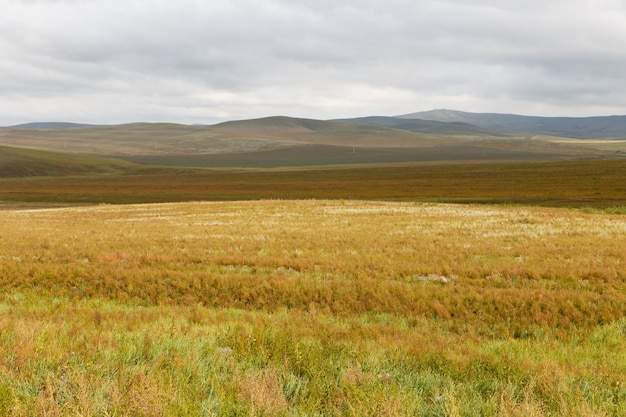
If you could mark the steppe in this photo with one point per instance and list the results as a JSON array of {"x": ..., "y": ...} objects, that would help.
[{"x": 254, "y": 269}]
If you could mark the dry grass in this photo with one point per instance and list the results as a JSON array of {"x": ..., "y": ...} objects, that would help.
[
  {"x": 263, "y": 390},
  {"x": 312, "y": 308},
  {"x": 542, "y": 266}
]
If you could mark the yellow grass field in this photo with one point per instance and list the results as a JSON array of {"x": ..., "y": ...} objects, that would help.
[{"x": 312, "y": 308}]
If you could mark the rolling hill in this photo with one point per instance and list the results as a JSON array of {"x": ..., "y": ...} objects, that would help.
[
  {"x": 310, "y": 155},
  {"x": 19, "y": 162},
  {"x": 569, "y": 127},
  {"x": 279, "y": 142},
  {"x": 291, "y": 130},
  {"x": 432, "y": 127},
  {"x": 50, "y": 125},
  {"x": 230, "y": 137}
]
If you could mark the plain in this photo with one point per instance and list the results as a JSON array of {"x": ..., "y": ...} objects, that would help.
[{"x": 312, "y": 307}]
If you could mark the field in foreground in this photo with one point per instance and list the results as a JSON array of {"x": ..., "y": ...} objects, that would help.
[{"x": 312, "y": 308}]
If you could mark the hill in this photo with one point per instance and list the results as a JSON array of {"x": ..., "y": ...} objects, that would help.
[
  {"x": 229, "y": 137},
  {"x": 125, "y": 139},
  {"x": 570, "y": 127},
  {"x": 327, "y": 132},
  {"x": 16, "y": 162},
  {"x": 50, "y": 125},
  {"x": 287, "y": 142},
  {"x": 425, "y": 126}
]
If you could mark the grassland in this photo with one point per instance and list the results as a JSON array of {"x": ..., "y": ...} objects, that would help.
[
  {"x": 600, "y": 184},
  {"x": 325, "y": 155},
  {"x": 312, "y": 307},
  {"x": 245, "y": 136},
  {"x": 309, "y": 289},
  {"x": 21, "y": 162},
  {"x": 615, "y": 145}
]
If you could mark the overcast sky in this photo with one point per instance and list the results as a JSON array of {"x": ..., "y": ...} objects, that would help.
[{"x": 194, "y": 61}]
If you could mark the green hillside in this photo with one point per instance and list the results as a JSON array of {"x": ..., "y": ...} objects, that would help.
[{"x": 16, "y": 162}]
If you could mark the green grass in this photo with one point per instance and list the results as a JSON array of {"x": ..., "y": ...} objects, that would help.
[{"x": 116, "y": 359}]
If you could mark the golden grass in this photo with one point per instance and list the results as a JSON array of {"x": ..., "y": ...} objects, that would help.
[
  {"x": 312, "y": 308},
  {"x": 548, "y": 266}
]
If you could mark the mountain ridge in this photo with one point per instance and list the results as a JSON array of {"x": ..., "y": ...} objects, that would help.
[
  {"x": 592, "y": 127},
  {"x": 431, "y": 122},
  {"x": 51, "y": 125},
  {"x": 424, "y": 126},
  {"x": 279, "y": 141}
]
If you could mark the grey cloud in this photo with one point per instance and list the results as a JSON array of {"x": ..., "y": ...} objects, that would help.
[{"x": 198, "y": 61}]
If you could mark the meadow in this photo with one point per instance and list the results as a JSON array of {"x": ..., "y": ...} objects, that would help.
[{"x": 312, "y": 308}]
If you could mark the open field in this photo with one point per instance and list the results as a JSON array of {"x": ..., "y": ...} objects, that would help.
[
  {"x": 600, "y": 184},
  {"x": 324, "y": 155},
  {"x": 615, "y": 145},
  {"x": 305, "y": 289},
  {"x": 312, "y": 307}
]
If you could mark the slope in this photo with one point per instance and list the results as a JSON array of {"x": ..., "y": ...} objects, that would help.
[
  {"x": 51, "y": 125},
  {"x": 230, "y": 137},
  {"x": 284, "y": 141},
  {"x": 570, "y": 127},
  {"x": 425, "y": 126},
  {"x": 331, "y": 132},
  {"x": 16, "y": 162}
]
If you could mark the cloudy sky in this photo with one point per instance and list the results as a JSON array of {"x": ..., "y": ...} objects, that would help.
[{"x": 194, "y": 61}]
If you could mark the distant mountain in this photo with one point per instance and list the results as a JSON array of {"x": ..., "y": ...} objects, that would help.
[
  {"x": 572, "y": 127},
  {"x": 229, "y": 137},
  {"x": 440, "y": 123},
  {"x": 51, "y": 125},
  {"x": 328, "y": 132},
  {"x": 423, "y": 126},
  {"x": 272, "y": 142},
  {"x": 280, "y": 122}
]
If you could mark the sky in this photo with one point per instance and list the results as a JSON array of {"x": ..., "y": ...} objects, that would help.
[{"x": 193, "y": 61}]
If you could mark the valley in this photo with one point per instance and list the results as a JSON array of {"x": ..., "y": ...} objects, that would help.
[{"x": 287, "y": 267}]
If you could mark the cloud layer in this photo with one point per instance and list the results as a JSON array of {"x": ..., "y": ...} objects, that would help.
[{"x": 193, "y": 61}]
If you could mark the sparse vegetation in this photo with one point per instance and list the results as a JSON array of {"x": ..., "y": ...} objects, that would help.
[{"x": 312, "y": 307}]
